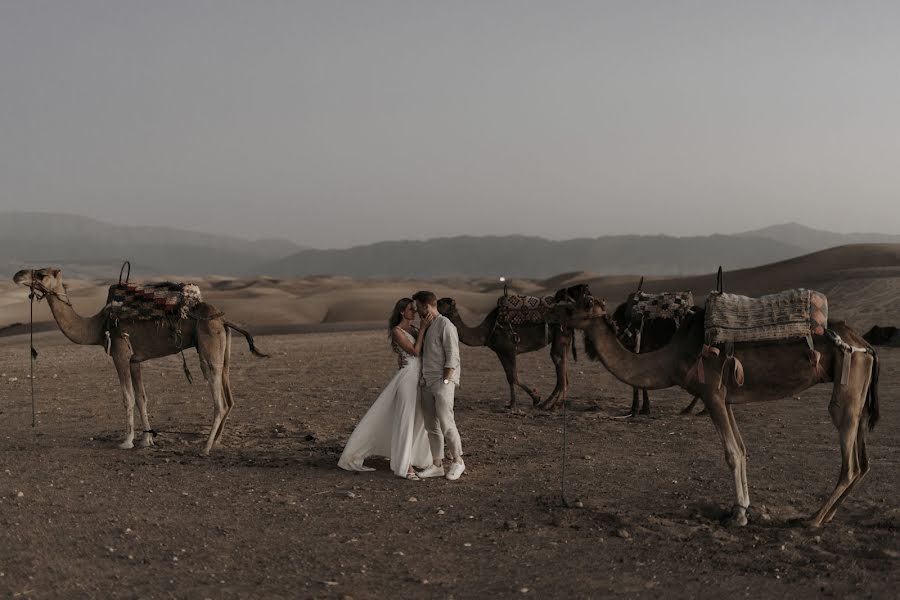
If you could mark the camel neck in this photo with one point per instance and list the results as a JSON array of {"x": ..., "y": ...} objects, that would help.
[
  {"x": 471, "y": 336},
  {"x": 650, "y": 371},
  {"x": 80, "y": 330}
]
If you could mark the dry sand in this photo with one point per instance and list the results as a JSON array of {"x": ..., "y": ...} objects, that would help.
[{"x": 861, "y": 281}]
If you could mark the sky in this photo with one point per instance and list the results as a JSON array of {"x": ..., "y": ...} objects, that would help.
[{"x": 337, "y": 123}]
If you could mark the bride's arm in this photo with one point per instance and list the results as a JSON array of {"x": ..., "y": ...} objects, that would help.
[{"x": 401, "y": 340}]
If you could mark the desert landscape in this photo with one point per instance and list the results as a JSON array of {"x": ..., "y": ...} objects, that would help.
[{"x": 269, "y": 514}]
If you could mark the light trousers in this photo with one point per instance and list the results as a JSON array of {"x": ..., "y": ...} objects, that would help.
[{"x": 437, "y": 409}]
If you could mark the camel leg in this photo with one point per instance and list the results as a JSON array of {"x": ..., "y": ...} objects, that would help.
[
  {"x": 121, "y": 359},
  {"x": 645, "y": 409},
  {"x": 512, "y": 377},
  {"x": 212, "y": 364},
  {"x": 635, "y": 401},
  {"x": 535, "y": 398},
  {"x": 226, "y": 384},
  {"x": 690, "y": 407},
  {"x": 743, "y": 448},
  {"x": 846, "y": 408},
  {"x": 558, "y": 354},
  {"x": 140, "y": 395},
  {"x": 509, "y": 367},
  {"x": 734, "y": 456},
  {"x": 862, "y": 460}
]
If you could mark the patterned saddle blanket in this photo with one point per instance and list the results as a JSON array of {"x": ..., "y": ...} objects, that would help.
[
  {"x": 522, "y": 310},
  {"x": 667, "y": 305},
  {"x": 151, "y": 301},
  {"x": 786, "y": 315}
]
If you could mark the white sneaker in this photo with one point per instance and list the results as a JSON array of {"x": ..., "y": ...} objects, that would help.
[
  {"x": 432, "y": 471},
  {"x": 456, "y": 469}
]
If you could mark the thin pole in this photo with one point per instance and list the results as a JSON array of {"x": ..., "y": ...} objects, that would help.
[
  {"x": 33, "y": 356},
  {"x": 562, "y": 490}
]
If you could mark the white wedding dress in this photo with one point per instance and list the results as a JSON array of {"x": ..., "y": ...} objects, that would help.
[{"x": 393, "y": 427}]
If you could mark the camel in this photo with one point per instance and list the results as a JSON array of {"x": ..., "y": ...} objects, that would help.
[
  {"x": 774, "y": 370},
  {"x": 507, "y": 344},
  {"x": 132, "y": 342},
  {"x": 655, "y": 334}
]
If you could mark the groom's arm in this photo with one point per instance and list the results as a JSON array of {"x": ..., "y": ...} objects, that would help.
[{"x": 450, "y": 340}]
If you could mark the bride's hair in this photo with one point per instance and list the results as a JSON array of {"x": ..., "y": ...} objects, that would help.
[{"x": 397, "y": 314}]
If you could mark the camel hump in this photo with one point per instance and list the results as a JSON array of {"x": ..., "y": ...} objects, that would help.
[
  {"x": 152, "y": 301},
  {"x": 521, "y": 310},
  {"x": 664, "y": 305},
  {"x": 790, "y": 314},
  {"x": 205, "y": 311}
]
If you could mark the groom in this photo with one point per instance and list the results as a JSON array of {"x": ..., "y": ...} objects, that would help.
[{"x": 440, "y": 372}]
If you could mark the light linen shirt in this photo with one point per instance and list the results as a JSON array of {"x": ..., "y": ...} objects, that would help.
[{"x": 440, "y": 350}]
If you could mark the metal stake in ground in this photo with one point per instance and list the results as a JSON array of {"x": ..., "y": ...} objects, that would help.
[
  {"x": 34, "y": 355},
  {"x": 565, "y": 448}
]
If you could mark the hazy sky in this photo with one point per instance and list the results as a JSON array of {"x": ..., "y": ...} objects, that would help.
[{"x": 336, "y": 123}]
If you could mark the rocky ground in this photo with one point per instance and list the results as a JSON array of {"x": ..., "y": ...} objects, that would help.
[{"x": 269, "y": 514}]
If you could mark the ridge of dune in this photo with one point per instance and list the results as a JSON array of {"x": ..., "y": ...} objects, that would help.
[{"x": 862, "y": 282}]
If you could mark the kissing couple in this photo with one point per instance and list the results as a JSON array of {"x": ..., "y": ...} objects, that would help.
[{"x": 413, "y": 417}]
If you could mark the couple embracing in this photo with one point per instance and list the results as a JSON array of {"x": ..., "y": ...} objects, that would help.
[{"x": 413, "y": 417}]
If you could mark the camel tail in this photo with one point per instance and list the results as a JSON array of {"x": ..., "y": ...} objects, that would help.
[
  {"x": 574, "y": 350},
  {"x": 872, "y": 393},
  {"x": 249, "y": 337}
]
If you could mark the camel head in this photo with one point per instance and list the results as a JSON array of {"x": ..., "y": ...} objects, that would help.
[
  {"x": 447, "y": 307},
  {"x": 45, "y": 281},
  {"x": 579, "y": 313},
  {"x": 574, "y": 293}
]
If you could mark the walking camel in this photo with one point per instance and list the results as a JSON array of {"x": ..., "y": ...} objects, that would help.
[
  {"x": 133, "y": 342},
  {"x": 507, "y": 343},
  {"x": 777, "y": 370}
]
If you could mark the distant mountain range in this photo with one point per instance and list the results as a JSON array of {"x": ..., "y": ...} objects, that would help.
[{"x": 88, "y": 247}]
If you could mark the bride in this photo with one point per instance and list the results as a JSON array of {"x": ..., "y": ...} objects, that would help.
[{"x": 393, "y": 427}]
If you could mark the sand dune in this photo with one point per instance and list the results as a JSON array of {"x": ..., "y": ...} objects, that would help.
[{"x": 861, "y": 281}]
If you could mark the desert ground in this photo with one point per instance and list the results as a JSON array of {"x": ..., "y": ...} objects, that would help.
[{"x": 268, "y": 514}]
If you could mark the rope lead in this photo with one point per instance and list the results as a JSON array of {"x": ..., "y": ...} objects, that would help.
[{"x": 34, "y": 355}]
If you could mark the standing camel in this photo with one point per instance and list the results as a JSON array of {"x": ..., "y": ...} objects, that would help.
[
  {"x": 655, "y": 333},
  {"x": 776, "y": 370},
  {"x": 132, "y": 342},
  {"x": 652, "y": 334},
  {"x": 507, "y": 343}
]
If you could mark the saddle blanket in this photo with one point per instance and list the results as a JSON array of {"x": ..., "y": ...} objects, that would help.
[
  {"x": 667, "y": 305},
  {"x": 522, "y": 310},
  {"x": 151, "y": 301},
  {"x": 786, "y": 315}
]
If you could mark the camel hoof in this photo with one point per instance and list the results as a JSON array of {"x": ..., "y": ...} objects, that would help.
[
  {"x": 147, "y": 442},
  {"x": 738, "y": 517},
  {"x": 811, "y": 523},
  {"x": 126, "y": 445}
]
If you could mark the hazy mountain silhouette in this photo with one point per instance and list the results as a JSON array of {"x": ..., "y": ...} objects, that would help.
[
  {"x": 812, "y": 240},
  {"x": 535, "y": 257},
  {"x": 89, "y": 247}
]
